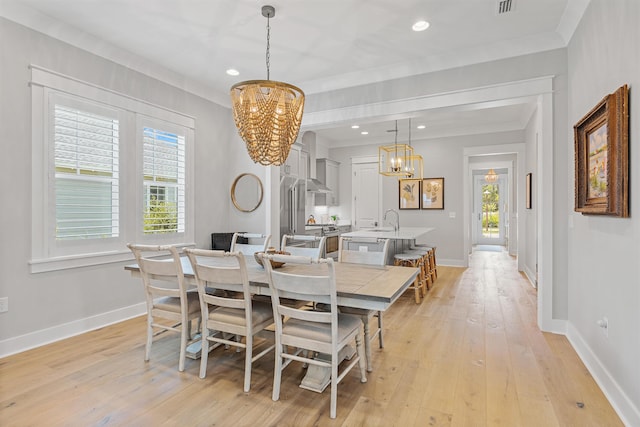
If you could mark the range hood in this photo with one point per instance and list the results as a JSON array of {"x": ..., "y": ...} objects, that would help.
[{"x": 315, "y": 186}]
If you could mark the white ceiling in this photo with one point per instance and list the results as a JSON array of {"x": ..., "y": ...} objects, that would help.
[{"x": 315, "y": 45}]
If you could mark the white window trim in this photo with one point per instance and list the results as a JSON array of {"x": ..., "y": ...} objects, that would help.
[{"x": 43, "y": 82}]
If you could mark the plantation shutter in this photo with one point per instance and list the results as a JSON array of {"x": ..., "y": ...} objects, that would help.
[
  {"x": 164, "y": 181},
  {"x": 86, "y": 174}
]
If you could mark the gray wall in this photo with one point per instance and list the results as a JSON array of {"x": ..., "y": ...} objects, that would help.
[{"x": 603, "y": 267}]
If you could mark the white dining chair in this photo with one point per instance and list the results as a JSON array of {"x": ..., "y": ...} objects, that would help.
[
  {"x": 257, "y": 243},
  {"x": 233, "y": 315},
  {"x": 294, "y": 245},
  {"x": 350, "y": 250},
  {"x": 325, "y": 332},
  {"x": 166, "y": 295}
]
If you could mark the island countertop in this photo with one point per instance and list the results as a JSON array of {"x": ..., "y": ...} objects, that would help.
[{"x": 404, "y": 233}]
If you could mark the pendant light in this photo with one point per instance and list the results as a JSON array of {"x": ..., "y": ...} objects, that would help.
[
  {"x": 392, "y": 159},
  {"x": 267, "y": 113},
  {"x": 414, "y": 164},
  {"x": 491, "y": 177}
]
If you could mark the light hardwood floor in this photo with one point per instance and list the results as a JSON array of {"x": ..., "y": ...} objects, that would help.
[{"x": 469, "y": 355}]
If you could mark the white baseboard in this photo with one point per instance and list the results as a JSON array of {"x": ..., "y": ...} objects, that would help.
[
  {"x": 56, "y": 333},
  {"x": 530, "y": 275},
  {"x": 626, "y": 409},
  {"x": 452, "y": 262}
]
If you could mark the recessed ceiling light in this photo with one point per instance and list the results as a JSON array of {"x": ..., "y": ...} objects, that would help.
[
  {"x": 364, "y": 132},
  {"x": 420, "y": 26},
  {"x": 233, "y": 72},
  {"x": 421, "y": 126},
  {"x": 355, "y": 127}
]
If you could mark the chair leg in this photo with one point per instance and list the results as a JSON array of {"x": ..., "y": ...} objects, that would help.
[
  {"x": 248, "y": 351},
  {"x": 277, "y": 373},
  {"x": 334, "y": 387},
  {"x": 183, "y": 344},
  {"x": 147, "y": 351},
  {"x": 204, "y": 354}
]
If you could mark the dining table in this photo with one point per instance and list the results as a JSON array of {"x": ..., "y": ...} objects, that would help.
[{"x": 370, "y": 287}]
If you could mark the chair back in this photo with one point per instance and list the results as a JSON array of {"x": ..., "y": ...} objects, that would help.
[
  {"x": 293, "y": 244},
  {"x": 221, "y": 270},
  {"x": 349, "y": 250},
  {"x": 257, "y": 243},
  {"x": 317, "y": 284},
  {"x": 161, "y": 271}
]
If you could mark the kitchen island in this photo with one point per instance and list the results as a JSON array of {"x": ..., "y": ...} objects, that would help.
[
  {"x": 402, "y": 239},
  {"x": 403, "y": 233}
]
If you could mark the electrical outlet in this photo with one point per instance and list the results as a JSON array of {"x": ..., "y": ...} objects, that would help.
[{"x": 4, "y": 304}]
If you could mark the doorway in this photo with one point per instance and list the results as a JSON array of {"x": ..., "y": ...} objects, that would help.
[{"x": 491, "y": 202}]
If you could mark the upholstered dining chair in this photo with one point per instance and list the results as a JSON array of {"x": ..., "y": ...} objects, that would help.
[
  {"x": 325, "y": 332},
  {"x": 376, "y": 254},
  {"x": 166, "y": 295},
  {"x": 257, "y": 243},
  {"x": 227, "y": 316},
  {"x": 291, "y": 243}
]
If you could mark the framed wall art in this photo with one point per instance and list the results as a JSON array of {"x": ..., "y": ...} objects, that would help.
[
  {"x": 409, "y": 194},
  {"x": 601, "y": 140},
  {"x": 432, "y": 193},
  {"x": 528, "y": 191}
]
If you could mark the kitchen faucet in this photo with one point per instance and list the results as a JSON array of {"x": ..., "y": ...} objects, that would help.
[{"x": 396, "y": 226}]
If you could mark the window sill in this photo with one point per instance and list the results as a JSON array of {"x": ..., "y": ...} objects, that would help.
[{"x": 85, "y": 260}]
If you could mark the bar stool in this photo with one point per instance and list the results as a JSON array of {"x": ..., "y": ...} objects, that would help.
[
  {"x": 425, "y": 263},
  {"x": 413, "y": 260},
  {"x": 432, "y": 260}
]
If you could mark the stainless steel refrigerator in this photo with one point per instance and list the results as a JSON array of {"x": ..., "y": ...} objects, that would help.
[{"x": 292, "y": 205}]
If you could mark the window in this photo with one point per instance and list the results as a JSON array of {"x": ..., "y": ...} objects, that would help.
[
  {"x": 107, "y": 169},
  {"x": 164, "y": 181},
  {"x": 86, "y": 174}
]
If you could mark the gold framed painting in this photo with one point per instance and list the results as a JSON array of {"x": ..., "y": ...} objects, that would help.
[
  {"x": 601, "y": 140},
  {"x": 432, "y": 196},
  {"x": 409, "y": 193}
]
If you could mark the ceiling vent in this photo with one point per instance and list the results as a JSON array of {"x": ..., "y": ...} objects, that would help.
[{"x": 506, "y": 6}]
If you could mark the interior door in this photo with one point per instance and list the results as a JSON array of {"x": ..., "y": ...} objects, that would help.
[{"x": 365, "y": 190}]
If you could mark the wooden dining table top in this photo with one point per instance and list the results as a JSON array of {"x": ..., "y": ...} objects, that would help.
[{"x": 358, "y": 285}]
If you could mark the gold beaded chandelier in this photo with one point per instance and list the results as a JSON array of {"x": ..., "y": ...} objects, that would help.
[{"x": 267, "y": 113}]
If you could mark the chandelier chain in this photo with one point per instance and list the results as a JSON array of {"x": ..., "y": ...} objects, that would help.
[{"x": 268, "y": 57}]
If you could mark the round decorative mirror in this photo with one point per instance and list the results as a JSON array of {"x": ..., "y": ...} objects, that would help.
[{"x": 246, "y": 192}]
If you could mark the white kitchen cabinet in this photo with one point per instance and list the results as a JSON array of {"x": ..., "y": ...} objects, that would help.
[
  {"x": 291, "y": 166},
  {"x": 303, "y": 170},
  {"x": 328, "y": 172}
]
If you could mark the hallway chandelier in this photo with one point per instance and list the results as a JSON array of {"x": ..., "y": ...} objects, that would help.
[
  {"x": 414, "y": 165},
  {"x": 395, "y": 160},
  {"x": 267, "y": 113},
  {"x": 491, "y": 177}
]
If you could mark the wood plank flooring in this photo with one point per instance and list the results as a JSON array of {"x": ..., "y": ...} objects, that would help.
[{"x": 469, "y": 355}]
